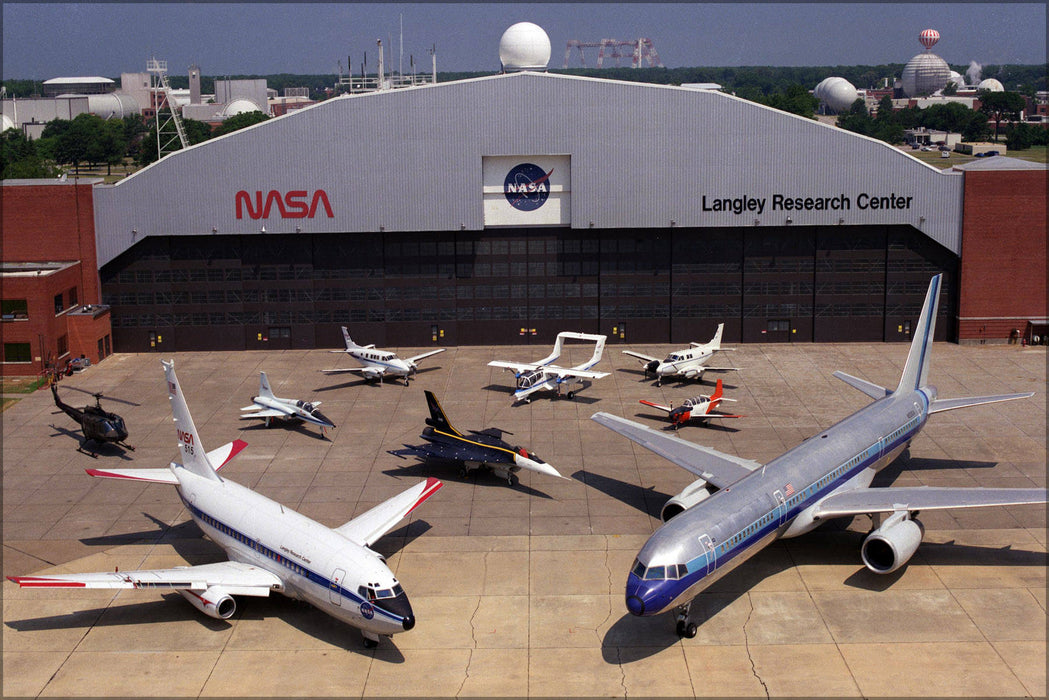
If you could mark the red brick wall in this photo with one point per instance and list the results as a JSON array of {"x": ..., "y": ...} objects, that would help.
[
  {"x": 52, "y": 222},
  {"x": 1003, "y": 265}
]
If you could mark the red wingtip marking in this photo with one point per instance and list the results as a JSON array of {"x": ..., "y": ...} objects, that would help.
[
  {"x": 103, "y": 474},
  {"x": 433, "y": 485},
  {"x": 39, "y": 582},
  {"x": 238, "y": 445}
]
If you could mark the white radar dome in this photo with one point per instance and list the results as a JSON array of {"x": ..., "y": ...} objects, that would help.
[
  {"x": 837, "y": 93},
  {"x": 524, "y": 46},
  {"x": 924, "y": 74},
  {"x": 991, "y": 84},
  {"x": 6, "y": 123},
  {"x": 240, "y": 106}
]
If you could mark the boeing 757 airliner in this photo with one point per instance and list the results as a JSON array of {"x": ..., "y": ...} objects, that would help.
[{"x": 737, "y": 507}]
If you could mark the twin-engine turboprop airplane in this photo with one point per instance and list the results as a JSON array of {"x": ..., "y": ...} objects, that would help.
[
  {"x": 474, "y": 450},
  {"x": 376, "y": 364},
  {"x": 267, "y": 406},
  {"x": 698, "y": 408},
  {"x": 689, "y": 363},
  {"x": 546, "y": 376},
  {"x": 270, "y": 548},
  {"x": 737, "y": 506}
]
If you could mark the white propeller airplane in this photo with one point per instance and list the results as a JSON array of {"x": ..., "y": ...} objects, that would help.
[
  {"x": 737, "y": 506},
  {"x": 698, "y": 408},
  {"x": 546, "y": 376},
  {"x": 689, "y": 362},
  {"x": 271, "y": 549},
  {"x": 376, "y": 364},
  {"x": 267, "y": 406}
]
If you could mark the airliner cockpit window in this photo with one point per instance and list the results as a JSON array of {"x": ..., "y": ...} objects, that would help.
[
  {"x": 638, "y": 569},
  {"x": 655, "y": 572}
]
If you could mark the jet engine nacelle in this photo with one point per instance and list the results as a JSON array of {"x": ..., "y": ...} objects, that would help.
[
  {"x": 214, "y": 602},
  {"x": 892, "y": 545},
  {"x": 696, "y": 492}
]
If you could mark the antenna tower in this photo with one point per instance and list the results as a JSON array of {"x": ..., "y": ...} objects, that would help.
[
  {"x": 640, "y": 50},
  {"x": 170, "y": 128}
]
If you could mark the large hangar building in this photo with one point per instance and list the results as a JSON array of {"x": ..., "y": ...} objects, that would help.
[{"x": 514, "y": 206}]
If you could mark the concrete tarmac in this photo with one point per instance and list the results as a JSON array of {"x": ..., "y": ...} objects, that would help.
[{"x": 519, "y": 591}]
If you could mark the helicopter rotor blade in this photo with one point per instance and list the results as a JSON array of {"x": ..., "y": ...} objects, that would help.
[{"x": 100, "y": 395}]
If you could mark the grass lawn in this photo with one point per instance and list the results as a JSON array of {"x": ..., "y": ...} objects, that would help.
[{"x": 21, "y": 385}]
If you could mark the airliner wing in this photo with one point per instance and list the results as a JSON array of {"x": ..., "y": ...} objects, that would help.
[
  {"x": 911, "y": 498},
  {"x": 236, "y": 578},
  {"x": 950, "y": 404},
  {"x": 717, "y": 468},
  {"x": 344, "y": 371},
  {"x": 639, "y": 356},
  {"x": 425, "y": 355},
  {"x": 370, "y": 526},
  {"x": 219, "y": 457}
]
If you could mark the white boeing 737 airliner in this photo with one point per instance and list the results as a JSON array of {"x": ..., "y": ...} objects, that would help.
[
  {"x": 270, "y": 548},
  {"x": 737, "y": 507}
]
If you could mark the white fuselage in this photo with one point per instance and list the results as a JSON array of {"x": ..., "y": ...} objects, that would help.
[
  {"x": 380, "y": 362},
  {"x": 316, "y": 564},
  {"x": 689, "y": 363},
  {"x": 293, "y": 409}
]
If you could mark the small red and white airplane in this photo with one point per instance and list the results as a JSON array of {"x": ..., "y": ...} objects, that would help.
[
  {"x": 700, "y": 408},
  {"x": 271, "y": 548}
]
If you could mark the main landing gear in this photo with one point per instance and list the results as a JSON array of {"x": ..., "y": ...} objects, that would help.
[
  {"x": 685, "y": 627},
  {"x": 370, "y": 640}
]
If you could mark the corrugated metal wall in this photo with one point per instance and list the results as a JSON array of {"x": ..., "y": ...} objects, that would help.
[{"x": 642, "y": 156}]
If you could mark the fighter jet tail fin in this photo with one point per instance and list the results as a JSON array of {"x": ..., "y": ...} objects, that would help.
[
  {"x": 437, "y": 418},
  {"x": 264, "y": 386}
]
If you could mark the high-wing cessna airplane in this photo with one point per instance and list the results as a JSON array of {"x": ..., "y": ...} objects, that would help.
[
  {"x": 546, "y": 376},
  {"x": 270, "y": 548},
  {"x": 698, "y": 408},
  {"x": 376, "y": 364},
  {"x": 268, "y": 406},
  {"x": 476, "y": 449},
  {"x": 738, "y": 506},
  {"x": 689, "y": 362}
]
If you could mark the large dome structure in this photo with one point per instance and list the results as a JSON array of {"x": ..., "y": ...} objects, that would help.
[
  {"x": 991, "y": 84},
  {"x": 836, "y": 93},
  {"x": 926, "y": 73},
  {"x": 524, "y": 46},
  {"x": 239, "y": 106}
]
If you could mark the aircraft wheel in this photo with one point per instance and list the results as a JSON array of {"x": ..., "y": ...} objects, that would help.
[
  {"x": 570, "y": 395},
  {"x": 686, "y": 629},
  {"x": 659, "y": 383},
  {"x": 510, "y": 479},
  {"x": 370, "y": 643}
]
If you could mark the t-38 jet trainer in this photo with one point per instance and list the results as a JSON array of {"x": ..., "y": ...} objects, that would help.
[
  {"x": 544, "y": 375},
  {"x": 271, "y": 548},
  {"x": 689, "y": 363},
  {"x": 376, "y": 364},
  {"x": 737, "y": 506},
  {"x": 473, "y": 450},
  {"x": 698, "y": 408},
  {"x": 267, "y": 406},
  {"x": 97, "y": 424}
]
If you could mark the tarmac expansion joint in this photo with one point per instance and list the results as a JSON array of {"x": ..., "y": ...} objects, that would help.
[{"x": 746, "y": 642}]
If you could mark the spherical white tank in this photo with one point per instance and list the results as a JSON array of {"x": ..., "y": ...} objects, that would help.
[
  {"x": 524, "y": 46},
  {"x": 837, "y": 93},
  {"x": 240, "y": 106},
  {"x": 990, "y": 84}
]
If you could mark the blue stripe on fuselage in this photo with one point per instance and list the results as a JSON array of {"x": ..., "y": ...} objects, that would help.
[
  {"x": 295, "y": 567},
  {"x": 671, "y": 589}
]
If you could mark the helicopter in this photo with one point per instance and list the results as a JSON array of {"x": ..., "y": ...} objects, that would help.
[{"x": 97, "y": 424}]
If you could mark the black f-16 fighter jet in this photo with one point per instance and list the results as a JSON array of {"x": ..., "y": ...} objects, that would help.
[{"x": 473, "y": 449}]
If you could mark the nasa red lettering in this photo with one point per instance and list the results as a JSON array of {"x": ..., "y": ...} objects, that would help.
[
  {"x": 185, "y": 438},
  {"x": 291, "y": 205}
]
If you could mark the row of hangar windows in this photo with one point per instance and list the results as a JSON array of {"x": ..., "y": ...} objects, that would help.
[{"x": 660, "y": 280}]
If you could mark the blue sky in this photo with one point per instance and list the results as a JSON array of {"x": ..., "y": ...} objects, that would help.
[{"x": 45, "y": 40}]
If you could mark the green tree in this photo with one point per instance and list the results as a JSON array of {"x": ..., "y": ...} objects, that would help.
[
  {"x": 20, "y": 159},
  {"x": 857, "y": 119},
  {"x": 1020, "y": 136},
  {"x": 1001, "y": 106},
  {"x": 239, "y": 121}
]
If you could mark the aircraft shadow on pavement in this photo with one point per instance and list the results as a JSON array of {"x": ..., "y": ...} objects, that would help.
[
  {"x": 905, "y": 463},
  {"x": 101, "y": 449},
  {"x": 450, "y": 471},
  {"x": 185, "y": 538},
  {"x": 301, "y": 427},
  {"x": 647, "y": 500}
]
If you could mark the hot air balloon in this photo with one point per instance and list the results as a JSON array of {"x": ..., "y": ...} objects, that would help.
[{"x": 928, "y": 37}]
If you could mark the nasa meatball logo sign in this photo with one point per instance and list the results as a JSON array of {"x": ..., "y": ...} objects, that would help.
[
  {"x": 367, "y": 610},
  {"x": 527, "y": 187}
]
